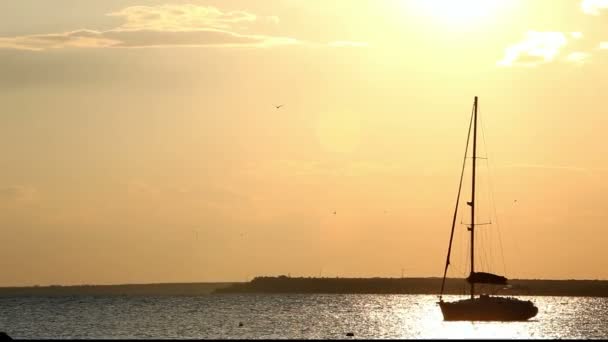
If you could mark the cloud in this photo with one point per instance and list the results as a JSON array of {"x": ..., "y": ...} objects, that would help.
[
  {"x": 578, "y": 57},
  {"x": 185, "y": 25},
  {"x": 576, "y": 35},
  {"x": 181, "y": 17},
  {"x": 141, "y": 39},
  {"x": 80, "y": 38},
  {"x": 159, "y": 26},
  {"x": 604, "y": 45},
  {"x": 537, "y": 48},
  {"x": 147, "y": 38},
  {"x": 206, "y": 37},
  {"x": 544, "y": 47},
  {"x": 594, "y": 7}
]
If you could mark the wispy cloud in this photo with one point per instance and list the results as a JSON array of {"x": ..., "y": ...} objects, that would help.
[
  {"x": 594, "y": 7},
  {"x": 545, "y": 47},
  {"x": 142, "y": 39},
  {"x": 181, "y": 17},
  {"x": 578, "y": 57},
  {"x": 80, "y": 39},
  {"x": 159, "y": 26},
  {"x": 536, "y": 48},
  {"x": 576, "y": 35}
]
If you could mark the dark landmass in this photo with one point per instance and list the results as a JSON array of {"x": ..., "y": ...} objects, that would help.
[
  {"x": 288, "y": 285},
  {"x": 184, "y": 289},
  {"x": 283, "y": 284}
]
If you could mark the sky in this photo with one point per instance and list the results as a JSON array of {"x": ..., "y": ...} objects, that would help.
[{"x": 140, "y": 142}]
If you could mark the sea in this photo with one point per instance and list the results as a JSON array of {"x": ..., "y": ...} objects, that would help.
[{"x": 234, "y": 316}]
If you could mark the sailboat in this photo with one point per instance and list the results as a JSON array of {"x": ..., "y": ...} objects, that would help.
[{"x": 483, "y": 307}]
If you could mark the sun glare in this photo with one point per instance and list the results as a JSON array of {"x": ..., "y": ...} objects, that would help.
[{"x": 459, "y": 14}]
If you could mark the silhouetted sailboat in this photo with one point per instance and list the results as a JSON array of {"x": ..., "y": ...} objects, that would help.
[{"x": 484, "y": 307}]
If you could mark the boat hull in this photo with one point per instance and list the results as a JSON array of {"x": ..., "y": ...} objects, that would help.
[{"x": 488, "y": 309}]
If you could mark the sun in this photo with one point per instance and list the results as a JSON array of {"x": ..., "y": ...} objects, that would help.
[{"x": 458, "y": 14}]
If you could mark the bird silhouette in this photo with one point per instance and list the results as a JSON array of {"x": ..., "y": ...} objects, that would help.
[{"x": 279, "y": 106}]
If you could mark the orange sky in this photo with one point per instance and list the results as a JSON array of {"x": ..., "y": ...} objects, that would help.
[{"x": 139, "y": 140}]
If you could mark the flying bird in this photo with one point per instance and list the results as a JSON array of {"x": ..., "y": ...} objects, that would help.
[{"x": 279, "y": 106}]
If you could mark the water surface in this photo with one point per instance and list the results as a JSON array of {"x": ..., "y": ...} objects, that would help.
[{"x": 285, "y": 316}]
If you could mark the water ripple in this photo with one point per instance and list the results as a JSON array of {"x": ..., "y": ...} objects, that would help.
[{"x": 284, "y": 317}]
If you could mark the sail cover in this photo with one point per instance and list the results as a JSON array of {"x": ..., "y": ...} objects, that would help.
[{"x": 486, "y": 278}]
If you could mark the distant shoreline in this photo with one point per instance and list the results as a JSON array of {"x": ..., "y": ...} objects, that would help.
[
  {"x": 288, "y": 285},
  {"x": 167, "y": 289},
  {"x": 428, "y": 286}
]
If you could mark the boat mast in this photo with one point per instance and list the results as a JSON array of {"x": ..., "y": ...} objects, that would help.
[
  {"x": 464, "y": 161},
  {"x": 472, "y": 228}
]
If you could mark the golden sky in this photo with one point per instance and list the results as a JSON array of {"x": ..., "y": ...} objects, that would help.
[{"x": 139, "y": 141}]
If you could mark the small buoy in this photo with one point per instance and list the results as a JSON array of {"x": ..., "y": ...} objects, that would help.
[
  {"x": 240, "y": 324},
  {"x": 350, "y": 334}
]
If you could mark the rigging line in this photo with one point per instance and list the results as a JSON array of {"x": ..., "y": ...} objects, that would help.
[
  {"x": 490, "y": 249},
  {"x": 487, "y": 250},
  {"x": 464, "y": 253},
  {"x": 447, "y": 261},
  {"x": 493, "y": 201},
  {"x": 487, "y": 233},
  {"x": 484, "y": 250},
  {"x": 459, "y": 261},
  {"x": 483, "y": 235},
  {"x": 490, "y": 235},
  {"x": 470, "y": 269}
]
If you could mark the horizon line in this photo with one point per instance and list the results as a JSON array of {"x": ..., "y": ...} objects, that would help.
[{"x": 277, "y": 276}]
